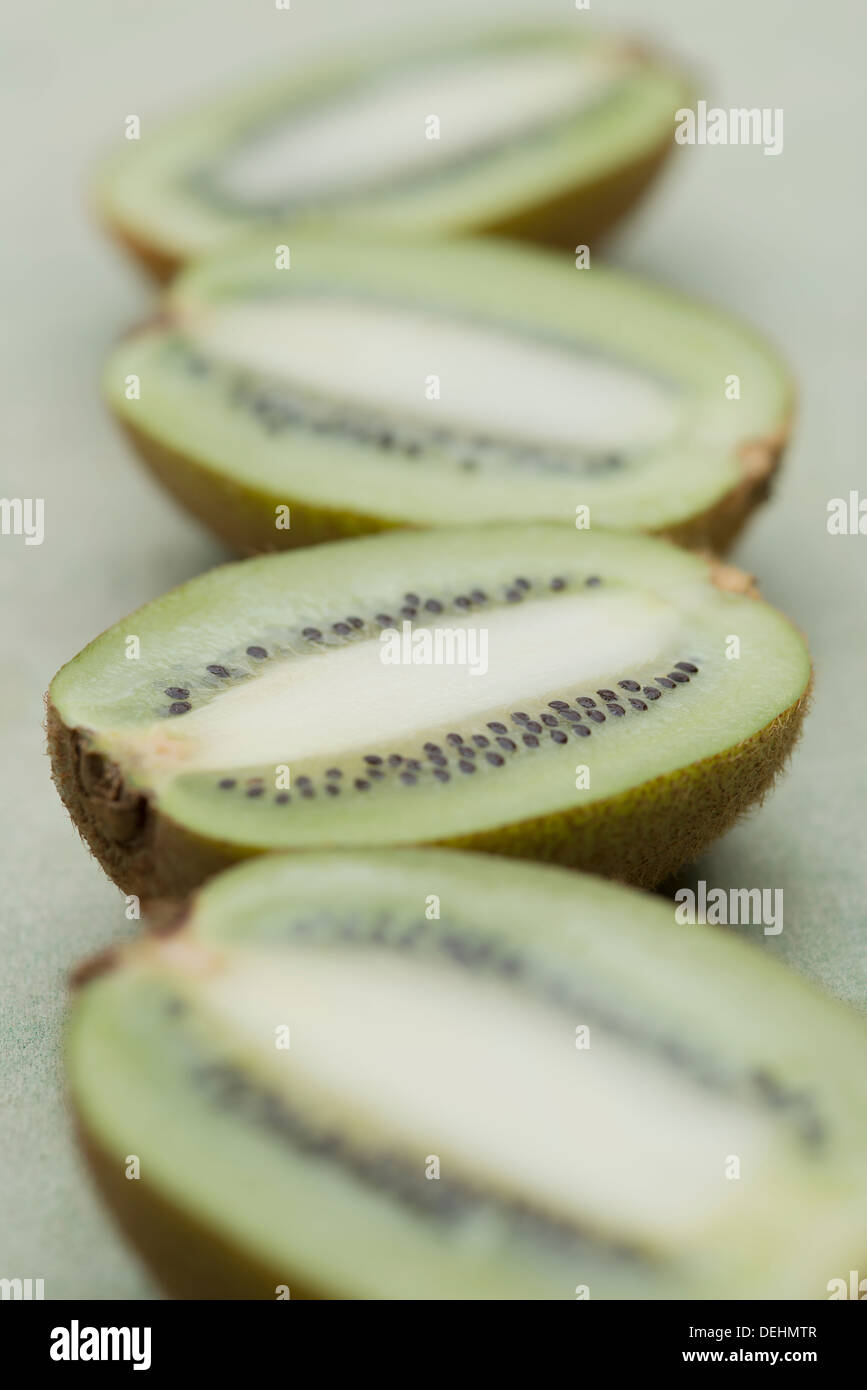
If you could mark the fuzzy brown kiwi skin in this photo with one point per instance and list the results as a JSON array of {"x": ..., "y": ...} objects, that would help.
[
  {"x": 640, "y": 837},
  {"x": 583, "y": 216},
  {"x": 244, "y": 518}
]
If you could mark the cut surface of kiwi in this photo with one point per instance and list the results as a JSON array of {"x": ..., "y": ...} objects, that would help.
[
  {"x": 550, "y": 135},
  {"x": 437, "y": 1075},
  {"x": 601, "y": 700},
  {"x": 372, "y": 386}
]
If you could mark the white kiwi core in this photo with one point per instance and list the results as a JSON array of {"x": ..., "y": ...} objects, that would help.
[
  {"x": 347, "y": 698},
  {"x": 435, "y": 1061},
  {"x": 442, "y": 372},
  {"x": 384, "y": 129}
]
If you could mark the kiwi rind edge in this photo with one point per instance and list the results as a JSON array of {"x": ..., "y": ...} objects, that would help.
[
  {"x": 578, "y": 216},
  {"x": 243, "y": 517},
  {"x": 639, "y": 837}
]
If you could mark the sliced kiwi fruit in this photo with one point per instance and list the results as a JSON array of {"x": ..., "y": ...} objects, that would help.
[
  {"x": 548, "y": 135},
  {"x": 427, "y": 1074},
  {"x": 287, "y": 407},
  {"x": 606, "y": 701}
]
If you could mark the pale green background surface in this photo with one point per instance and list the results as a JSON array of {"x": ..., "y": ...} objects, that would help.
[{"x": 779, "y": 240}]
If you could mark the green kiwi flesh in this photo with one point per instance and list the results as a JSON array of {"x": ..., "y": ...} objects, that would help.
[
  {"x": 373, "y": 385},
  {"x": 618, "y": 1107},
  {"x": 599, "y": 700},
  {"x": 549, "y": 135}
]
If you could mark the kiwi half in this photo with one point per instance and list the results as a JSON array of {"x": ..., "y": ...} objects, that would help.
[
  {"x": 262, "y": 710},
  {"x": 616, "y": 1104},
  {"x": 263, "y": 389},
  {"x": 550, "y": 135}
]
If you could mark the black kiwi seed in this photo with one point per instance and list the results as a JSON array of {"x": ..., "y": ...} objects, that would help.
[
  {"x": 558, "y": 736},
  {"x": 678, "y": 677},
  {"x": 311, "y": 633},
  {"x": 361, "y": 785},
  {"x": 440, "y": 775},
  {"x": 409, "y": 778},
  {"x": 581, "y": 730},
  {"x": 571, "y": 715},
  {"x": 496, "y": 758},
  {"x": 513, "y": 595},
  {"x": 638, "y": 704},
  {"x": 438, "y": 759},
  {"x": 333, "y": 772},
  {"x": 373, "y": 759},
  {"x": 307, "y": 792},
  {"x": 616, "y": 709},
  {"x": 522, "y": 583},
  {"x": 686, "y": 666},
  {"x": 177, "y": 692},
  {"x": 218, "y": 671},
  {"x": 304, "y": 782},
  {"x": 394, "y": 760},
  {"x": 375, "y": 774},
  {"x": 180, "y": 707},
  {"x": 664, "y": 682},
  {"x": 480, "y": 741},
  {"x": 408, "y": 611},
  {"x": 596, "y": 715},
  {"x": 557, "y": 583},
  {"x": 413, "y": 764},
  {"x": 258, "y": 652},
  {"x": 478, "y": 596},
  {"x": 281, "y": 798},
  {"x": 412, "y": 598},
  {"x": 629, "y": 685},
  {"x": 606, "y": 694},
  {"x": 466, "y": 766},
  {"x": 520, "y": 717},
  {"x": 557, "y": 704},
  {"x": 384, "y": 620},
  {"x": 593, "y": 581},
  {"x": 332, "y": 789},
  {"x": 456, "y": 739},
  {"x": 464, "y": 752},
  {"x": 533, "y": 727},
  {"x": 343, "y": 629},
  {"x": 462, "y": 601},
  {"x": 530, "y": 740},
  {"x": 549, "y": 719},
  {"x": 226, "y": 783},
  {"x": 651, "y": 692},
  {"x": 432, "y": 748},
  {"x": 255, "y": 791},
  {"x": 586, "y": 702},
  {"x": 355, "y": 622},
  {"x": 498, "y": 728},
  {"x": 507, "y": 744},
  {"x": 433, "y": 606}
]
